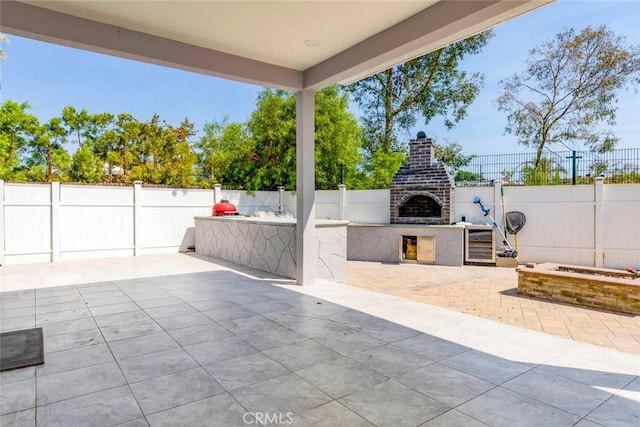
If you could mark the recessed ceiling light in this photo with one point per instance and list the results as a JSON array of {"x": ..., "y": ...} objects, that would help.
[{"x": 312, "y": 42}]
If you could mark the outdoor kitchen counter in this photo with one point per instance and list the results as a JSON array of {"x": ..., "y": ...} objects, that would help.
[
  {"x": 383, "y": 242},
  {"x": 269, "y": 244}
]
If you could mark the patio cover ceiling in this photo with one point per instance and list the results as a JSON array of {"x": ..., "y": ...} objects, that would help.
[{"x": 293, "y": 45}]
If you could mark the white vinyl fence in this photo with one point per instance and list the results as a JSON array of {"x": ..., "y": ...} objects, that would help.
[{"x": 595, "y": 225}]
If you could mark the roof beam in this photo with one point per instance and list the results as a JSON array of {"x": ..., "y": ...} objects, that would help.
[
  {"x": 46, "y": 25},
  {"x": 433, "y": 28}
]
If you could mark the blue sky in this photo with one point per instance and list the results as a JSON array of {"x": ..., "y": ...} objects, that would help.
[{"x": 50, "y": 77}]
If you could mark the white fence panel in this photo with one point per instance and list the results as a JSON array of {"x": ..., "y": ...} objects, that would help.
[
  {"x": 248, "y": 203},
  {"x": 560, "y": 223},
  {"x": 290, "y": 202},
  {"x": 95, "y": 221},
  {"x": 463, "y": 205},
  {"x": 368, "y": 206},
  {"x": 167, "y": 222},
  {"x": 98, "y": 221},
  {"x": 27, "y": 216},
  {"x": 622, "y": 225},
  {"x": 562, "y": 216},
  {"x": 327, "y": 204}
]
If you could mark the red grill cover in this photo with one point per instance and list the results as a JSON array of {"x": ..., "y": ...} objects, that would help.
[{"x": 224, "y": 208}]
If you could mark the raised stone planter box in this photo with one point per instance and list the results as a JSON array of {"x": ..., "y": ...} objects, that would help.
[{"x": 586, "y": 286}]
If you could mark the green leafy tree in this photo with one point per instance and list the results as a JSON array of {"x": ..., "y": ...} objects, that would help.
[
  {"x": 117, "y": 147},
  {"x": 178, "y": 158},
  {"x": 272, "y": 132},
  {"x": 338, "y": 140},
  {"x": 84, "y": 126},
  {"x": 546, "y": 172},
  {"x": 86, "y": 166},
  {"x": 381, "y": 166},
  {"x": 569, "y": 89},
  {"x": 428, "y": 86},
  {"x": 451, "y": 155},
  {"x": 17, "y": 128},
  {"x": 225, "y": 155},
  {"x": 163, "y": 153},
  {"x": 48, "y": 160},
  {"x": 466, "y": 176},
  {"x": 3, "y": 41},
  {"x": 272, "y": 127},
  {"x": 149, "y": 152}
]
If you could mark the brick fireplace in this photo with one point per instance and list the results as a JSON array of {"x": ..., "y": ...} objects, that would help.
[{"x": 422, "y": 190}]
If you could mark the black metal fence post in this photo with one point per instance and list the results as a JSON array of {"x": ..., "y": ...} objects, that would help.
[{"x": 574, "y": 165}]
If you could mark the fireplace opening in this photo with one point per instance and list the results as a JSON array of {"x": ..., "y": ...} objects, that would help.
[{"x": 420, "y": 206}]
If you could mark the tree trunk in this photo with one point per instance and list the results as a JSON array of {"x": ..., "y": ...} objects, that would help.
[
  {"x": 388, "y": 112},
  {"x": 49, "y": 166}
]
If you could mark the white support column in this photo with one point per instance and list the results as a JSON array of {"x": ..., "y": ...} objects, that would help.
[
  {"x": 280, "y": 199},
  {"x": 55, "y": 221},
  {"x": 2, "y": 222},
  {"x": 599, "y": 222},
  {"x": 342, "y": 201},
  {"x": 305, "y": 188},
  {"x": 217, "y": 193},
  {"x": 137, "y": 218}
]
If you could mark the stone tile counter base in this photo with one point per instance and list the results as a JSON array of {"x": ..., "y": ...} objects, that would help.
[
  {"x": 270, "y": 244},
  {"x": 381, "y": 242}
]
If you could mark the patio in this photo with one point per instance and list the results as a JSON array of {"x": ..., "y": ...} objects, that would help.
[
  {"x": 187, "y": 340},
  {"x": 491, "y": 293}
]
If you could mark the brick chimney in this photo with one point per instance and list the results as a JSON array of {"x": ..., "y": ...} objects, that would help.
[{"x": 420, "y": 153}]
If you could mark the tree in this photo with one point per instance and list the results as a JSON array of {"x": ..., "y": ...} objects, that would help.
[
  {"x": 157, "y": 152},
  {"x": 272, "y": 128},
  {"x": 462, "y": 176},
  {"x": 85, "y": 126},
  {"x": 267, "y": 156},
  {"x": 117, "y": 147},
  {"x": 428, "y": 86},
  {"x": 86, "y": 166},
  {"x": 225, "y": 155},
  {"x": 17, "y": 127},
  {"x": 546, "y": 172},
  {"x": 178, "y": 158},
  {"x": 381, "y": 166},
  {"x": 48, "y": 157},
  {"x": 338, "y": 140},
  {"x": 569, "y": 89},
  {"x": 3, "y": 40},
  {"x": 451, "y": 155}
]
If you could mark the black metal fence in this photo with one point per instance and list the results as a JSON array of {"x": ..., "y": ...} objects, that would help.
[{"x": 554, "y": 168}]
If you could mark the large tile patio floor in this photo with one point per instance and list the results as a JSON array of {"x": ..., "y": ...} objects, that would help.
[{"x": 180, "y": 340}]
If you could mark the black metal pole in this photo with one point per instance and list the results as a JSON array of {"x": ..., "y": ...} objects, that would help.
[
  {"x": 341, "y": 173},
  {"x": 574, "y": 165}
]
